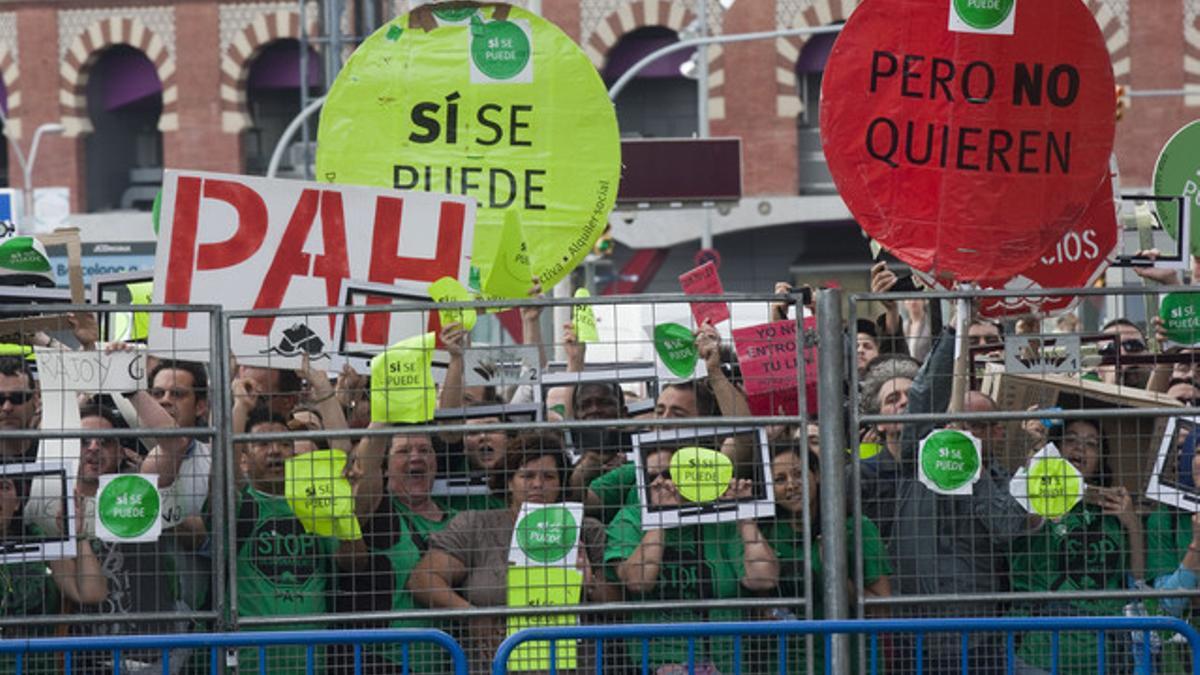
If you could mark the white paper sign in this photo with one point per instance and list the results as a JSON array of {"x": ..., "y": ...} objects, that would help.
[
  {"x": 547, "y": 534},
  {"x": 257, "y": 243},
  {"x": 60, "y": 408},
  {"x": 94, "y": 371}
]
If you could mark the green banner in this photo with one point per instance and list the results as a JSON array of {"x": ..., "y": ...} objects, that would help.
[{"x": 493, "y": 102}]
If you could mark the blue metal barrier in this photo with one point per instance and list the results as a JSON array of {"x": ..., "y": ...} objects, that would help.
[
  {"x": 874, "y": 628},
  {"x": 215, "y": 642}
]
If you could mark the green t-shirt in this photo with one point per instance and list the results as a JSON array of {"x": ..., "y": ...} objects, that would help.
[
  {"x": 26, "y": 589},
  {"x": 699, "y": 562},
  {"x": 616, "y": 489},
  {"x": 1168, "y": 533},
  {"x": 788, "y": 543},
  {"x": 1083, "y": 551},
  {"x": 281, "y": 571}
]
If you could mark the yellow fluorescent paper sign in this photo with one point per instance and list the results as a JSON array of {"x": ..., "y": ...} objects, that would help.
[
  {"x": 492, "y": 102},
  {"x": 320, "y": 495},
  {"x": 402, "y": 386},
  {"x": 539, "y": 586},
  {"x": 447, "y": 289}
]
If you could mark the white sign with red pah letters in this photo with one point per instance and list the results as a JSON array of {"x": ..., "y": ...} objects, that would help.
[{"x": 257, "y": 243}]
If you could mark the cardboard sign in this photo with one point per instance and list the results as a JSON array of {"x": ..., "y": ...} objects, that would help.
[
  {"x": 949, "y": 461},
  {"x": 402, "y": 387},
  {"x": 543, "y": 586},
  {"x": 767, "y": 355},
  {"x": 547, "y": 534},
  {"x": 60, "y": 407},
  {"x": 1048, "y": 485},
  {"x": 502, "y": 107},
  {"x": 256, "y": 243},
  {"x": 704, "y": 281},
  {"x": 1175, "y": 174},
  {"x": 94, "y": 371},
  {"x": 128, "y": 508},
  {"x": 968, "y": 155},
  {"x": 320, "y": 495},
  {"x": 1025, "y": 354}
]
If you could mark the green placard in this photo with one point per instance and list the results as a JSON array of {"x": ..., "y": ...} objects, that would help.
[
  {"x": 128, "y": 507},
  {"x": 493, "y": 102},
  {"x": 1180, "y": 314},
  {"x": 949, "y": 461},
  {"x": 548, "y": 535},
  {"x": 983, "y": 14},
  {"x": 1175, "y": 174},
  {"x": 676, "y": 348},
  {"x": 700, "y": 474}
]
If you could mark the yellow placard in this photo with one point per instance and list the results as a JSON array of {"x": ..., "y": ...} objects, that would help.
[
  {"x": 498, "y": 104},
  {"x": 139, "y": 294},
  {"x": 542, "y": 587},
  {"x": 510, "y": 275},
  {"x": 448, "y": 289},
  {"x": 584, "y": 319},
  {"x": 700, "y": 474},
  {"x": 320, "y": 495},
  {"x": 402, "y": 386}
]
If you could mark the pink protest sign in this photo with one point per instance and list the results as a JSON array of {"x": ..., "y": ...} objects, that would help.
[
  {"x": 704, "y": 281},
  {"x": 767, "y": 357}
]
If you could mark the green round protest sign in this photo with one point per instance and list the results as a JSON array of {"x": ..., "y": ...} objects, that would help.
[
  {"x": 1175, "y": 175},
  {"x": 983, "y": 14},
  {"x": 1055, "y": 487},
  {"x": 490, "y": 101},
  {"x": 548, "y": 535},
  {"x": 1180, "y": 314},
  {"x": 700, "y": 474},
  {"x": 128, "y": 506},
  {"x": 676, "y": 347},
  {"x": 949, "y": 461}
]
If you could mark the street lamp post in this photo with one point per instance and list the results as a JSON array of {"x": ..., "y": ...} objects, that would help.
[{"x": 28, "y": 164}]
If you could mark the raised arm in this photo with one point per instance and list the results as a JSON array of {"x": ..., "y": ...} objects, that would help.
[{"x": 433, "y": 580}]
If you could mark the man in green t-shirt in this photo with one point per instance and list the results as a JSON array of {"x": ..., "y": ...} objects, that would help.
[{"x": 282, "y": 569}]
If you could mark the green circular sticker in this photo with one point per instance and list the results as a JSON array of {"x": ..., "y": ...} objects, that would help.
[
  {"x": 1055, "y": 487},
  {"x": 499, "y": 49},
  {"x": 700, "y": 474},
  {"x": 983, "y": 14},
  {"x": 1175, "y": 175},
  {"x": 1180, "y": 314},
  {"x": 504, "y": 108},
  {"x": 949, "y": 461},
  {"x": 548, "y": 535},
  {"x": 128, "y": 506},
  {"x": 676, "y": 347}
]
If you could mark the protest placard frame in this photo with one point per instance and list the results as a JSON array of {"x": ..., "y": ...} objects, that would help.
[
  {"x": 1167, "y": 485},
  {"x": 1180, "y": 258},
  {"x": 477, "y": 484},
  {"x": 106, "y": 290},
  {"x": 761, "y": 503},
  {"x": 359, "y": 354},
  {"x": 51, "y": 546}
]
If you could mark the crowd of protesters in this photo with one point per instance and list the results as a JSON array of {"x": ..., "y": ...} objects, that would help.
[{"x": 437, "y": 511}]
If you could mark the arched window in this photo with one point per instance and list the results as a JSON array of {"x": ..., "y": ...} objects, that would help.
[
  {"x": 273, "y": 101},
  {"x": 660, "y": 102},
  {"x": 124, "y": 152}
]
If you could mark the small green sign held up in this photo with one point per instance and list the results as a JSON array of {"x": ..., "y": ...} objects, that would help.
[
  {"x": 128, "y": 508},
  {"x": 949, "y": 462},
  {"x": 1180, "y": 314}
]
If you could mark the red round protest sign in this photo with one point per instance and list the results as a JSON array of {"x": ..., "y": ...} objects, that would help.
[
  {"x": 1075, "y": 261},
  {"x": 968, "y": 141}
]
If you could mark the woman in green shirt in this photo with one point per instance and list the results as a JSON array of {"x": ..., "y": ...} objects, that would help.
[
  {"x": 786, "y": 534},
  {"x": 1094, "y": 547}
]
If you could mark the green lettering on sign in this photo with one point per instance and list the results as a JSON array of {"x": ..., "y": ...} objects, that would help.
[
  {"x": 983, "y": 14},
  {"x": 128, "y": 506}
]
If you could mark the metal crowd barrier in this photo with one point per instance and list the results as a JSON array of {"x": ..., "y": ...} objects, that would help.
[
  {"x": 214, "y": 643},
  {"x": 826, "y": 630}
]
